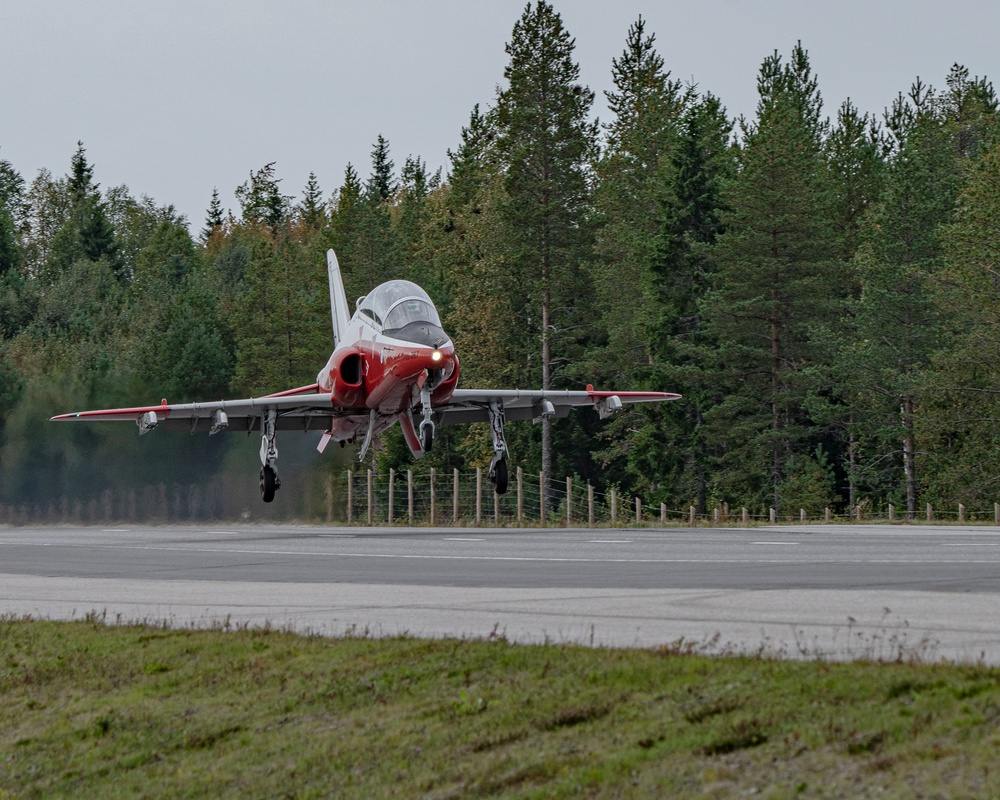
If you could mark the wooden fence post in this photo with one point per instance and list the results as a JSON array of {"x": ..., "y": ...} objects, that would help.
[
  {"x": 392, "y": 480},
  {"x": 802, "y": 515},
  {"x": 930, "y": 513},
  {"x": 590, "y": 505},
  {"x": 409, "y": 494},
  {"x": 961, "y": 514},
  {"x": 826, "y": 515},
  {"x": 745, "y": 515},
  {"x": 454, "y": 501},
  {"x": 638, "y": 511},
  {"x": 350, "y": 496},
  {"x": 996, "y": 513},
  {"x": 692, "y": 519},
  {"x": 614, "y": 507},
  {"x": 663, "y": 514},
  {"x": 774, "y": 516},
  {"x": 892, "y": 513},
  {"x": 496, "y": 509},
  {"x": 479, "y": 496},
  {"x": 716, "y": 515}
]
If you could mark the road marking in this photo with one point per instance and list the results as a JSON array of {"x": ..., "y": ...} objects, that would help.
[
  {"x": 970, "y": 544},
  {"x": 781, "y": 543},
  {"x": 115, "y": 530},
  {"x": 460, "y": 539},
  {"x": 611, "y": 541}
]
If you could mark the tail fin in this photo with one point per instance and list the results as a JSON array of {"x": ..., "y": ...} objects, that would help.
[{"x": 338, "y": 299}]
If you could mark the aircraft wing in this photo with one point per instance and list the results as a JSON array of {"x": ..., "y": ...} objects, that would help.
[
  {"x": 472, "y": 405},
  {"x": 297, "y": 409}
]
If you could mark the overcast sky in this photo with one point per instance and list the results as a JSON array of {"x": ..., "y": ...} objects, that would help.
[{"x": 175, "y": 98}]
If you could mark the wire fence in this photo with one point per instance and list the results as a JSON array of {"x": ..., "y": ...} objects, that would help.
[
  {"x": 440, "y": 498},
  {"x": 456, "y": 498}
]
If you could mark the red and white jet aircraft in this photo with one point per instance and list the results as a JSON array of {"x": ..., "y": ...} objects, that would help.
[{"x": 392, "y": 362}]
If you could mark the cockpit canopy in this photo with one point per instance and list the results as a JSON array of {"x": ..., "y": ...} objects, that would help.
[{"x": 404, "y": 311}]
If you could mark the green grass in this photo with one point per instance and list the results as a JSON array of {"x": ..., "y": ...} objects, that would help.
[{"x": 93, "y": 710}]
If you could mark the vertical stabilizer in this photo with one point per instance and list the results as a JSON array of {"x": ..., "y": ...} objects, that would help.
[{"x": 338, "y": 299}]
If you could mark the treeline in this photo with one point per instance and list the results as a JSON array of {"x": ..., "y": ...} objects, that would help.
[{"x": 823, "y": 290}]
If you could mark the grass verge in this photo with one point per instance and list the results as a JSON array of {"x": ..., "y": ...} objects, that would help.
[{"x": 91, "y": 710}]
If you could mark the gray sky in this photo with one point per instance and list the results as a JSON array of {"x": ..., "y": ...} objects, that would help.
[{"x": 175, "y": 98}]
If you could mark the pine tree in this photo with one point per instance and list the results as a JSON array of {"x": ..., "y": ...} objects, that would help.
[{"x": 545, "y": 142}]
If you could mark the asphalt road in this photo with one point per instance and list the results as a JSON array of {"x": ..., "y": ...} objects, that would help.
[{"x": 809, "y": 591}]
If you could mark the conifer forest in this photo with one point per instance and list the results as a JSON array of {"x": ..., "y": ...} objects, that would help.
[{"x": 822, "y": 285}]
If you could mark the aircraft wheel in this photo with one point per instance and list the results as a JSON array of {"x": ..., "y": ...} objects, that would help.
[
  {"x": 500, "y": 477},
  {"x": 426, "y": 436},
  {"x": 268, "y": 483}
]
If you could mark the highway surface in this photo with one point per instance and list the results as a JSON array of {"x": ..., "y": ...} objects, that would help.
[{"x": 808, "y": 591}]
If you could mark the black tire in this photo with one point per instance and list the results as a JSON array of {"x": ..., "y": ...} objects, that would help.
[
  {"x": 500, "y": 477},
  {"x": 426, "y": 437},
  {"x": 268, "y": 483}
]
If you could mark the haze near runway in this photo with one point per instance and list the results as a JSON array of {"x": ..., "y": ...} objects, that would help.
[{"x": 830, "y": 591}]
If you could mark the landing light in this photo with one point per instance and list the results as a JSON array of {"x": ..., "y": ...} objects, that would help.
[{"x": 436, "y": 356}]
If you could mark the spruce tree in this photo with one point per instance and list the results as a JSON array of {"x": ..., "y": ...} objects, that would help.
[
  {"x": 87, "y": 233},
  {"x": 312, "y": 209},
  {"x": 957, "y": 426},
  {"x": 774, "y": 281},
  {"x": 213, "y": 218},
  {"x": 261, "y": 200},
  {"x": 469, "y": 165},
  {"x": 382, "y": 184},
  {"x": 12, "y": 196},
  {"x": 897, "y": 318}
]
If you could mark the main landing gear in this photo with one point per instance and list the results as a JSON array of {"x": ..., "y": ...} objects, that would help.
[
  {"x": 269, "y": 481},
  {"x": 498, "y": 467}
]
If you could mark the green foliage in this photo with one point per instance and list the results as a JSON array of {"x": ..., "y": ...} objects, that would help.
[
  {"x": 114, "y": 711},
  {"x": 809, "y": 484},
  {"x": 776, "y": 278},
  {"x": 312, "y": 209},
  {"x": 809, "y": 285},
  {"x": 213, "y": 217},
  {"x": 261, "y": 200}
]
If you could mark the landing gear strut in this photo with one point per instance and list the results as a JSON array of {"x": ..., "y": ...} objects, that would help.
[
  {"x": 498, "y": 467},
  {"x": 426, "y": 424},
  {"x": 269, "y": 481}
]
